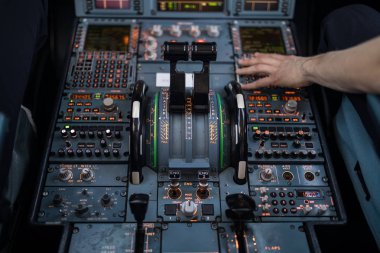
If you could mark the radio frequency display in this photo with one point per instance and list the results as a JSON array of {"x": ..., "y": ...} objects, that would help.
[
  {"x": 112, "y": 4},
  {"x": 261, "y": 5},
  {"x": 190, "y": 6}
]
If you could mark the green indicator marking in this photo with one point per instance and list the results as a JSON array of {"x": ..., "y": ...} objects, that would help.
[
  {"x": 221, "y": 132},
  {"x": 213, "y": 4},
  {"x": 155, "y": 131},
  {"x": 67, "y": 126},
  {"x": 254, "y": 128}
]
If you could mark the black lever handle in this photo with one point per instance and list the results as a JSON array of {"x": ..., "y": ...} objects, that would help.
[
  {"x": 241, "y": 208},
  {"x": 239, "y": 145},
  {"x": 137, "y": 123},
  {"x": 139, "y": 206}
]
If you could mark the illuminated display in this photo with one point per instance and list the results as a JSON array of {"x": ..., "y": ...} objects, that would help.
[
  {"x": 261, "y": 5},
  {"x": 309, "y": 194},
  {"x": 258, "y": 98},
  {"x": 107, "y": 38},
  {"x": 113, "y": 4},
  {"x": 81, "y": 96},
  {"x": 295, "y": 98},
  {"x": 116, "y": 96},
  {"x": 263, "y": 40},
  {"x": 190, "y": 5}
]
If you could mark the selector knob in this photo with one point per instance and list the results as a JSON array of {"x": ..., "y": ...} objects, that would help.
[
  {"x": 150, "y": 54},
  {"x": 81, "y": 210},
  {"x": 213, "y": 31},
  {"x": 291, "y": 107},
  {"x": 108, "y": 104},
  {"x": 308, "y": 136},
  {"x": 61, "y": 152},
  {"x": 64, "y": 133},
  {"x": 91, "y": 134},
  {"x": 117, "y": 134},
  {"x": 103, "y": 143},
  {"x": 97, "y": 152},
  {"x": 108, "y": 133},
  {"x": 106, "y": 200},
  {"x": 194, "y": 31},
  {"x": 307, "y": 209},
  {"x": 156, "y": 31},
  {"x": 259, "y": 153},
  {"x": 175, "y": 31},
  {"x": 266, "y": 174},
  {"x": 87, "y": 174},
  {"x": 70, "y": 152},
  {"x": 57, "y": 200},
  {"x": 65, "y": 174},
  {"x": 296, "y": 144},
  {"x": 82, "y": 134},
  {"x": 189, "y": 208},
  {"x": 257, "y": 135},
  {"x": 151, "y": 43},
  {"x": 88, "y": 152},
  {"x": 73, "y": 133},
  {"x": 312, "y": 154},
  {"x": 322, "y": 209},
  {"x": 99, "y": 134}
]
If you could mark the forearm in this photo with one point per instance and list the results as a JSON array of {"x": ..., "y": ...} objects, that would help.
[{"x": 353, "y": 70}]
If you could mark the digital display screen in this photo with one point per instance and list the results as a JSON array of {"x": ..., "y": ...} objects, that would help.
[
  {"x": 309, "y": 194},
  {"x": 262, "y": 40},
  {"x": 261, "y": 5},
  {"x": 81, "y": 96},
  {"x": 107, "y": 38},
  {"x": 287, "y": 98},
  {"x": 258, "y": 98},
  {"x": 113, "y": 4},
  {"x": 115, "y": 96},
  {"x": 190, "y": 6}
]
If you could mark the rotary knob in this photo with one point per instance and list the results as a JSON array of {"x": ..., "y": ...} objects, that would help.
[
  {"x": 307, "y": 209},
  {"x": 156, "y": 31},
  {"x": 213, "y": 31},
  {"x": 194, "y": 31},
  {"x": 108, "y": 133},
  {"x": 150, "y": 54},
  {"x": 291, "y": 107},
  {"x": 57, "y": 200},
  {"x": 81, "y": 210},
  {"x": 87, "y": 174},
  {"x": 189, "y": 208},
  {"x": 73, "y": 133},
  {"x": 266, "y": 174},
  {"x": 106, "y": 200},
  {"x": 151, "y": 43},
  {"x": 175, "y": 31},
  {"x": 108, "y": 104},
  {"x": 64, "y": 133},
  {"x": 65, "y": 174}
]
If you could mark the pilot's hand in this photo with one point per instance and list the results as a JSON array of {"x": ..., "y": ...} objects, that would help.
[{"x": 278, "y": 70}]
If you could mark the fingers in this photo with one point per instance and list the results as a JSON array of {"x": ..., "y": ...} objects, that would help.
[
  {"x": 255, "y": 69},
  {"x": 261, "y": 60},
  {"x": 260, "y": 83}
]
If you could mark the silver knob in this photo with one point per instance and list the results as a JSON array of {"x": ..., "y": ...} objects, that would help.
[
  {"x": 291, "y": 107},
  {"x": 108, "y": 104},
  {"x": 156, "y": 31},
  {"x": 194, "y": 31},
  {"x": 175, "y": 31},
  {"x": 213, "y": 31},
  {"x": 189, "y": 208}
]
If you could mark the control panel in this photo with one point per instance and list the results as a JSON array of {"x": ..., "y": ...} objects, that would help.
[{"x": 157, "y": 148}]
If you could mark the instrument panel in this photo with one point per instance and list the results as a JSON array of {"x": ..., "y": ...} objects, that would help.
[{"x": 156, "y": 145}]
